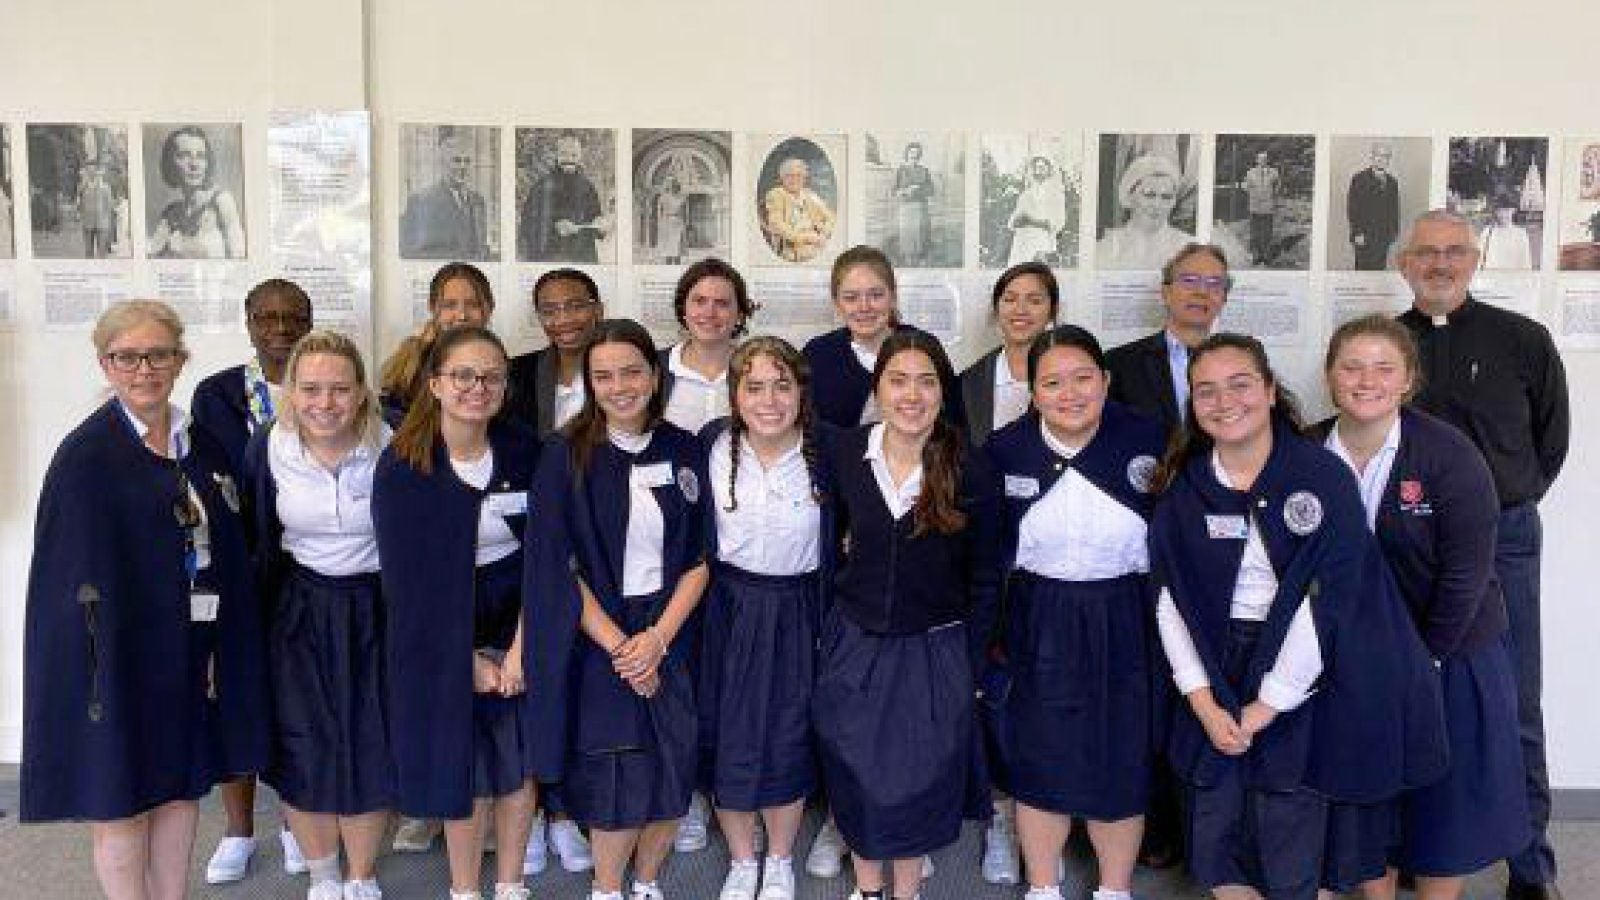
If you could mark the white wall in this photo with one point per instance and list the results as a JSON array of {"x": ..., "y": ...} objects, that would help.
[{"x": 1352, "y": 67}]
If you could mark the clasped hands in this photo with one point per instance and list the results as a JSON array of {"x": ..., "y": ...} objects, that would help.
[
  {"x": 1231, "y": 737},
  {"x": 637, "y": 660}
]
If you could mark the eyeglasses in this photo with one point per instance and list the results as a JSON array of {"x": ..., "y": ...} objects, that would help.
[
  {"x": 1209, "y": 283},
  {"x": 1234, "y": 389},
  {"x": 465, "y": 379},
  {"x": 159, "y": 359},
  {"x": 1454, "y": 253},
  {"x": 551, "y": 311},
  {"x": 279, "y": 320}
]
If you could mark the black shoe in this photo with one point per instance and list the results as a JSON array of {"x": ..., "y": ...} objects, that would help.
[{"x": 1519, "y": 891}]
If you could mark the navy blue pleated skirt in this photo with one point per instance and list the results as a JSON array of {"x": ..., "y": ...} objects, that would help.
[
  {"x": 651, "y": 776},
  {"x": 896, "y": 733},
  {"x": 499, "y": 761},
  {"x": 325, "y": 659},
  {"x": 757, "y": 668},
  {"x": 1079, "y": 706},
  {"x": 1237, "y": 835}
]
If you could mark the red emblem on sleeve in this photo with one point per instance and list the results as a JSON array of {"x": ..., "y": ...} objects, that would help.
[{"x": 1410, "y": 492}]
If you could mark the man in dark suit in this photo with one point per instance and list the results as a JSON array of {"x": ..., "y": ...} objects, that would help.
[
  {"x": 1150, "y": 373},
  {"x": 450, "y": 219},
  {"x": 1373, "y": 207}
]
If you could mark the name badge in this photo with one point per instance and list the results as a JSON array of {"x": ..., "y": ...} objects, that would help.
[
  {"x": 507, "y": 503},
  {"x": 653, "y": 475},
  {"x": 1227, "y": 527},
  {"x": 1022, "y": 487},
  {"x": 203, "y": 607}
]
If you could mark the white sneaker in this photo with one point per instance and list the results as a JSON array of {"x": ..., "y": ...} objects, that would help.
[
  {"x": 743, "y": 875},
  {"x": 231, "y": 860},
  {"x": 325, "y": 890},
  {"x": 536, "y": 856},
  {"x": 1000, "y": 862},
  {"x": 363, "y": 890},
  {"x": 826, "y": 857},
  {"x": 511, "y": 892},
  {"x": 777, "y": 880},
  {"x": 567, "y": 839},
  {"x": 416, "y": 835},
  {"x": 294, "y": 862},
  {"x": 646, "y": 890},
  {"x": 1045, "y": 893},
  {"x": 692, "y": 831}
]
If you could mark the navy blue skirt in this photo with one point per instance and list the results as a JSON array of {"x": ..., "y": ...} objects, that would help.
[
  {"x": 649, "y": 777},
  {"x": 1237, "y": 835},
  {"x": 757, "y": 668},
  {"x": 499, "y": 761},
  {"x": 896, "y": 733},
  {"x": 325, "y": 662},
  {"x": 1079, "y": 705}
]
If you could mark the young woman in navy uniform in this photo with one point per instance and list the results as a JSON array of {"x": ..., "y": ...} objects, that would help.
[
  {"x": 1430, "y": 499},
  {"x": 143, "y": 678},
  {"x": 616, "y": 566},
  {"x": 1077, "y": 477},
  {"x": 760, "y": 619},
  {"x": 893, "y": 706},
  {"x": 1304, "y": 681},
  {"x": 450, "y": 503},
  {"x": 310, "y": 479}
]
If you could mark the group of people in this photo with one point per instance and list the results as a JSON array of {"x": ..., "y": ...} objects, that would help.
[{"x": 610, "y": 580}]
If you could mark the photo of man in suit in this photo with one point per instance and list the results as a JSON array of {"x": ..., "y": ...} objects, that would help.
[
  {"x": 450, "y": 218},
  {"x": 1373, "y": 207}
]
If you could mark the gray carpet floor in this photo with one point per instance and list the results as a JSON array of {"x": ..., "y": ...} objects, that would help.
[{"x": 52, "y": 861}]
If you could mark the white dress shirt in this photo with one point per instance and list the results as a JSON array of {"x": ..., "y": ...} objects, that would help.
[
  {"x": 495, "y": 539},
  {"x": 899, "y": 498},
  {"x": 1011, "y": 397},
  {"x": 1288, "y": 683},
  {"x": 1375, "y": 478},
  {"x": 776, "y": 528},
  {"x": 695, "y": 399},
  {"x": 642, "y": 547},
  {"x": 868, "y": 359},
  {"x": 568, "y": 403},
  {"x": 326, "y": 516},
  {"x": 1077, "y": 532}
]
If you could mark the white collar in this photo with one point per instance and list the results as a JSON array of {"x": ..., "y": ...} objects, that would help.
[
  {"x": 629, "y": 443},
  {"x": 1391, "y": 442},
  {"x": 1055, "y": 444},
  {"x": 681, "y": 369},
  {"x": 1002, "y": 370},
  {"x": 867, "y": 358},
  {"x": 177, "y": 428}
]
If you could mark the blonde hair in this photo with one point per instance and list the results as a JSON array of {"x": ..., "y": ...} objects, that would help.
[
  {"x": 322, "y": 342},
  {"x": 129, "y": 314}
]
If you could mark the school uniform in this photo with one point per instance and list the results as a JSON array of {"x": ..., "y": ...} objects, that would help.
[
  {"x": 693, "y": 400},
  {"x": 760, "y": 624},
  {"x": 1278, "y": 594},
  {"x": 536, "y": 396},
  {"x": 992, "y": 398},
  {"x": 1429, "y": 498},
  {"x": 841, "y": 382},
  {"x": 1074, "y": 631},
  {"x": 893, "y": 706},
  {"x": 232, "y": 405},
  {"x": 452, "y": 558},
  {"x": 317, "y": 564},
  {"x": 630, "y": 526},
  {"x": 130, "y": 603}
]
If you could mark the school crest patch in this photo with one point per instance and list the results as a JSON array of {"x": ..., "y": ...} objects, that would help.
[
  {"x": 1142, "y": 472},
  {"x": 1302, "y": 512},
  {"x": 689, "y": 483}
]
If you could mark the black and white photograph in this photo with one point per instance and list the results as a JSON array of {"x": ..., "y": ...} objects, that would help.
[
  {"x": 1030, "y": 200},
  {"x": 8, "y": 191},
  {"x": 566, "y": 195},
  {"x": 194, "y": 191},
  {"x": 1499, "y": 183},
  {"x": 79, "y": 191},
  {"x": 1579, "y": 208},
  {"x": 915, "y": 192},
  {"x": 799, "y": 197},
  {"x": 1375, "y": 185},
  {"x": 450, "y": 182},
  {"x": 1149, "y": 195},
  {"x": 682, "y": 195},
  {"x": 1261, "y": 199}
]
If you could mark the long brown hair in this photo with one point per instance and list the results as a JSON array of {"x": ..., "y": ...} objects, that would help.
[
  {"x": 418, "y": 434},
  {"x": 937, "y": 507},
  {"x": 404, "y": 372},
  {"x": 785, "y": 357},
  {"x": 1191, "y": 441},
  {"x": 587, "y": 430}
]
